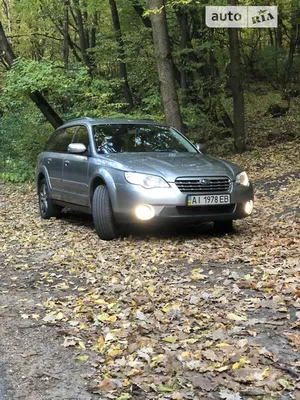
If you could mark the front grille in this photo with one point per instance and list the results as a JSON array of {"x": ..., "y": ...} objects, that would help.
[
  {"x": 206, "y": 210},
  {"x": 203, "y": 185}
]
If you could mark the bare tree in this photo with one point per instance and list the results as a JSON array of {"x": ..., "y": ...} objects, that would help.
[
  {"x": 164, "y": 63},
  {"x": 237, "y": 89},
  {"x": 83, "y": 39},
  {"x": 6, "y": 6},
  {"x": 120, "y": 47},
  {"x": 66, "y": 33}
]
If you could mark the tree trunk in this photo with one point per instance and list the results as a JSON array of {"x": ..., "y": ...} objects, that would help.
[
  {"x": 60, "y": 27},
  {"x": 52, "y": 117},
  {"x": 237, "y": 89},
  {"x": 7, "y": 54},
  {"x": 120, "y": 48},
  {"x": 294, "y": 40},
  {"x": 94, "y": 30},
  {"x": 140, "y": 11},
  {"x": 147, "y": 23},
  {"x": 279, "y": 33},
  {"x": 165, "y": 64},
  {"x": 66, "y": 34},
  {"x": 82, "y": 35},
  {"x": 182, "y": 18},
  {"x": 6, "y": 7},
  {"x": 8, "y": 57}
]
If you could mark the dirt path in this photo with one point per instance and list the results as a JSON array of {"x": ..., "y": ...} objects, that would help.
[
  {"x": 165, "y": 315},
  {"x": 34, "y": 365}
]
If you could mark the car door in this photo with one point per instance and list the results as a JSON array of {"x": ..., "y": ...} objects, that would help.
[
  {"x": 54, "y": 157},
  {"x": 75, "y": 171}
]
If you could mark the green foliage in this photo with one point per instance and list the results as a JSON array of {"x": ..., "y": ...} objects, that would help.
[
  {"x": 270, "y": 63},
  {"x": 22, "y": 137},
  {"x": 73, "y": 91}
]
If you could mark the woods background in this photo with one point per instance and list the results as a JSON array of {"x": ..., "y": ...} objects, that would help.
[{"x": 62, "y": 59}]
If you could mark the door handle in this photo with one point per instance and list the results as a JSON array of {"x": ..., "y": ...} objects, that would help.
[
  {"x": 49, "y": 160},
  {"x": 67, "y": 162}
]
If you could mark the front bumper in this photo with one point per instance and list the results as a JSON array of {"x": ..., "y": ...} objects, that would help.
[{"x": 170, "y": 204}]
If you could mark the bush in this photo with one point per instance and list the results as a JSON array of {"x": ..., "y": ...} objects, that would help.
[{"x": 23, "y": 135}]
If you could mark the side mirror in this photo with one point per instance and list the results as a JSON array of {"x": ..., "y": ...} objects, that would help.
[
  {"x": 76, "y": 148},
  {"x": 201, "y": 147}
]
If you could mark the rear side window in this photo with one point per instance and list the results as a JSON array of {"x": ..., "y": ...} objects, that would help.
[{"x": 60, "y": 140}]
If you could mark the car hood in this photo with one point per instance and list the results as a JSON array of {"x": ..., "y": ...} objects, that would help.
[{"x": 174, "y": 165}]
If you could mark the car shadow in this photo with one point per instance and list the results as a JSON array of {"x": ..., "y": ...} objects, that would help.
[{"x": 144, "y": 231}]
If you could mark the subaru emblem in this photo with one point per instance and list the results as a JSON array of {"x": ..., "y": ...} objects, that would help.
[{"x": 204, "y": 182}]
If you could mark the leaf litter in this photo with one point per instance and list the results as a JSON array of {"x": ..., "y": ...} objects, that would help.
[{"x": 164, "y": 314}]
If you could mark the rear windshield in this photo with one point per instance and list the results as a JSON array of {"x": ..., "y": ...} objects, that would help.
[{"x": 139, "y": 139}]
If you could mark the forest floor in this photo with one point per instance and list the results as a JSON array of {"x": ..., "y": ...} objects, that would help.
[{"x": 172, "y": 314}]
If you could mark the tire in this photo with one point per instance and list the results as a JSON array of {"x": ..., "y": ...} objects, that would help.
[
  {"x": 223, "y": 226},
  {"x": 47, "y": 208},
  {"x": 103, "y": 214}
]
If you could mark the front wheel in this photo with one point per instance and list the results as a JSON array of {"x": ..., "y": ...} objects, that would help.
[
  {"x": 103, "y": 214},
  {"x": 223, "y": 226},
  {"x": 47, "y": 208}
]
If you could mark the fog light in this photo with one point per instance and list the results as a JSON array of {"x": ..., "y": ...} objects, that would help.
[
  {"x": 249, "y": 207},
  {"x": 144, "y": 212}
]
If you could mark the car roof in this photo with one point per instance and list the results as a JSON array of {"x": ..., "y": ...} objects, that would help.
[{"x": 110, "y": 121}]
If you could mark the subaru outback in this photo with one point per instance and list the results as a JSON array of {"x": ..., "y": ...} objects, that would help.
[{"x": 128, "y": 171}]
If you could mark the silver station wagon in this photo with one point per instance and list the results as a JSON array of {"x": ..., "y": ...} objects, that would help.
[{"x": 128, "y": 171}]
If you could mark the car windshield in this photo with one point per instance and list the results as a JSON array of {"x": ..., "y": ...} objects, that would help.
[{"x": 136, "y": 138}]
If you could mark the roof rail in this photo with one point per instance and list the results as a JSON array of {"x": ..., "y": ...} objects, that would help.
[{"x": 75, "y": 119}]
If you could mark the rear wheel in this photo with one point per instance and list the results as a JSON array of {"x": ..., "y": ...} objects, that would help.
[
  {"x": 47, "y": 208},
  {"x": 223, "y": 226},
  {"x": 103, "y": 214}
]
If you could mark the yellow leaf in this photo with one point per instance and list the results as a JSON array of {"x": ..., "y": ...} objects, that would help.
[
  {"x": 104, "y": 317},
  {"x": 170, "y": 339},
  {"x": 192, "y": 340},
  {"x": 236, "y": 365},
  {"x": 114, "y": 352},
  {"x": 81, "y": 345},
  {"x": 82, "y": 358},
  {"x": 101, "y": 302},
  {"x": 185, "y": 354},
  {"x": 197, "y": 277},
  {"x": 158, "y": 358},
  {"x": 235, "y": 317},
  {"x": 35, "y": 316},
  {"x": 100, "y": 341},
  {"x": 222, "y": 344},
  {"x": 59, "y": 316},
  {"x": 266, "y": 373}
]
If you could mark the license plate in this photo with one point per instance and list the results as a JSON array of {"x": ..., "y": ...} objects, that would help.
[{"x": 209, "y": 199}]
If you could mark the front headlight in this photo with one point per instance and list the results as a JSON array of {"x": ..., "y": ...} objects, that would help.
[
  {"x": 242, "y": 179},
  {"x": 147, "y": 181}
]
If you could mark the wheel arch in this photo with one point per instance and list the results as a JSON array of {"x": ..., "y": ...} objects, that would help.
[
  {"x": 42, "y": 174},
  {"x": 103, "y": 179}
]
